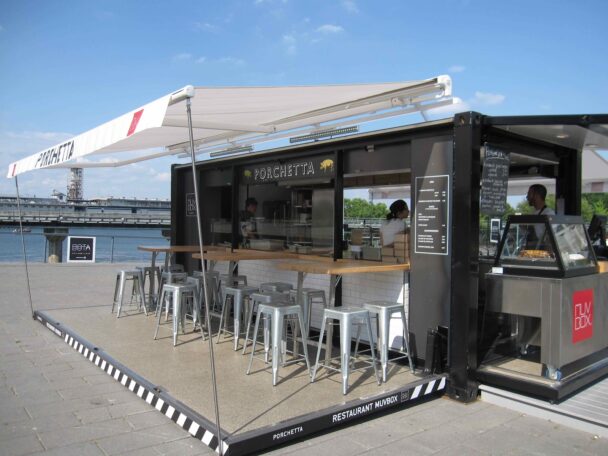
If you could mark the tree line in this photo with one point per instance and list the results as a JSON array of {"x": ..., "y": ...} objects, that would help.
[{"x": 591, "y": 203}]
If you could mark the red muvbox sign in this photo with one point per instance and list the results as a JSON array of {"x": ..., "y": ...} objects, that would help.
[{"x": 582, "y": 315}]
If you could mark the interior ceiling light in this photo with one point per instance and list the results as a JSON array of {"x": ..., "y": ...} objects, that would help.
[
  {"x": 324, "y": 134},
  {"x": 234, "y": 150},
  {"x": 562, "y": 136}
]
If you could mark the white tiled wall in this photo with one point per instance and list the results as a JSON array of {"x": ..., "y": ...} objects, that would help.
[{"x": 356, "y": 288}]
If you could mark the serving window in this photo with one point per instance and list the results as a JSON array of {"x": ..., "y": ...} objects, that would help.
[
  {"x": 287, "y": 205},
  {"x": 375, "y": 176}
]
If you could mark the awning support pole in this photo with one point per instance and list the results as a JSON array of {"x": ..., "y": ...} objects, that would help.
[
  {"x": 27, "y": 273},
  {"x": 204, "y": 267}
]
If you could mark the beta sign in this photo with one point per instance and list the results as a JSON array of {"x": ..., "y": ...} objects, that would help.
[
  {"x": 582, "y": 315},
  {"x": 81, "y": 249}
]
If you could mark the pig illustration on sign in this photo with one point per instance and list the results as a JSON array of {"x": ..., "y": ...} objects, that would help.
[
  {"x": 247, "y": 173},
  {"x": 327, "y": 165}
]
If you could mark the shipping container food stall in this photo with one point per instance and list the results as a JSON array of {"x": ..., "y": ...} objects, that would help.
[
  {"x": 527, "y": 319},
  {"x": 478, "y": 307}
]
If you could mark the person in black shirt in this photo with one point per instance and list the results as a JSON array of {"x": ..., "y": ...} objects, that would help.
[{"x": 247, "y": 220}]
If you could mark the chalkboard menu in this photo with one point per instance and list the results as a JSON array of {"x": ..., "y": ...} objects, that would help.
[
  {"x": 494, "y": 181},
  {"x": 432, "y": 214},
  {"x": 81, "y": 249}
]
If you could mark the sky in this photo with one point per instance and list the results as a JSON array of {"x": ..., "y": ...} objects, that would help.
[{"x": 67, "y": 66}]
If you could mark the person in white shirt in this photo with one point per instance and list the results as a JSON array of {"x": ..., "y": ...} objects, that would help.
[
  {"x": 395, "y": 222},
  {"x": 536, "y": 198}
]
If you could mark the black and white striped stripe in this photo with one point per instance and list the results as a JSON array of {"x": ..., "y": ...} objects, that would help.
[
  {"x": 199, "y": 427},
  {"x": 163, "y": 405},
  {"x": 429, "y": 388}
]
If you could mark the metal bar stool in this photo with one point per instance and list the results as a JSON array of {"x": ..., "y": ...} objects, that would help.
[
  {"x": 172, "y": 268},
  {"x": 277, "y": 287},
  {"x": 122, "y": 276},
  {"x": 230, "y": 280},
  {"x": 147, "y": 272},
  {"x": 277, "y": 313},
  {"x": 180, "y": 294},
  {"x": 309, "y": 295},
  {"x": 237, "y": 293},
  {"x": 384, "y": 311},
  {"x": 169, "y": 278},
  {"x": 346, "y": 317},
  {"x": 213, "y": 282},
  {"x": 254, "y": 300},
  {"x": 198, "y": 308}
]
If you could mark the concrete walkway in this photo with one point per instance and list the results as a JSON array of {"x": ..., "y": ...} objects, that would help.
[{"x": 53, "y": 401}]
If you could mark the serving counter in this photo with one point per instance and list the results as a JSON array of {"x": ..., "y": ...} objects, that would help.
[
  {"x": 573, "y": 314},
  {"x": 547, "y": 285}
]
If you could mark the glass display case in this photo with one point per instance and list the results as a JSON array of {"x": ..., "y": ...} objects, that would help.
[{"x": 546, "y": 246}]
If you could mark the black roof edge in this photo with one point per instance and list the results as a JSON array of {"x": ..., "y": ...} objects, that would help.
[{"x": 582, "y": 120}]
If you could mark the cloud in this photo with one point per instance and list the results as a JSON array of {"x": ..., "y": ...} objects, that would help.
[
  {"x": 289, "y": 41},
  {"x": 182, "y": 56},
  {"x": 330, "y": 29},
  {"x": 228, "y": 60},
  {"x": 161, "y": 176},
  {"x": 487, "y": 99},
  {"x": 37, "y": 135},
  {"x": 350, "y": 6},
  {"x": 457, "y": 106},
  {"x": 206, "y": 27},
  {"x": 232, "y": 61},
  {"x": 456, "y": 69}
]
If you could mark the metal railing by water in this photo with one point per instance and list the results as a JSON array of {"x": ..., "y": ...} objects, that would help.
[{"x": 110, "y": 248}]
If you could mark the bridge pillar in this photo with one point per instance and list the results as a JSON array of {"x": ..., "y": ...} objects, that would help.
[{"x": 54, "y": 238}]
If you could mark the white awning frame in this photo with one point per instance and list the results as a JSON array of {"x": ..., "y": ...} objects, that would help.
[{"x": 156, "y": 129}]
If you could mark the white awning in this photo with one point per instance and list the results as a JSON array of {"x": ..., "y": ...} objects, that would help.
[{"x": 228, "y": 117}]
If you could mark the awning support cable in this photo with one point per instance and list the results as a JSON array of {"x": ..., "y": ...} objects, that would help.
[
  {"x": 27, "y": 273},
  {"x": 205, "y": 285}
]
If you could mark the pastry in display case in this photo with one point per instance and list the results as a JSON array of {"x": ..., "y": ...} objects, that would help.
[{"x": 546, "y": 246}]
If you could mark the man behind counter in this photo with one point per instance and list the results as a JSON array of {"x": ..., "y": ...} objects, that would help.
[
  {"x": 536, "y": 198},
  {"x": 247, "y": 220}
]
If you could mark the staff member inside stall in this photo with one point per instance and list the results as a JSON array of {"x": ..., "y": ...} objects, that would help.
[
  {"x": 536, "y": 242},
  {"x": 536, "y": 198},
  {"x": 395, "y": 222},
  {"x": 247, "y": 220}
]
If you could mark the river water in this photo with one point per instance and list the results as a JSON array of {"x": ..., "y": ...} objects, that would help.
[{"x": 112, "y": 244}]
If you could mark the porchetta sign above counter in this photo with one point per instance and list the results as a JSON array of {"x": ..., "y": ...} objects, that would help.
[{"x": 307, "y": 168}]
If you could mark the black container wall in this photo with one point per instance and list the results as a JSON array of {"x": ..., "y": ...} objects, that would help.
[
  {"x": 465, "y": 257},
  {"x": 430, "y": 275}
]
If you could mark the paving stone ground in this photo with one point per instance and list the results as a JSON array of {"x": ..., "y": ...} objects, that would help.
[{"x": 55, "y": 402}]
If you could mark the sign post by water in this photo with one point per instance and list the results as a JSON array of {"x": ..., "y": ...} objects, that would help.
[
  {"x": 494, "y": 181},
  {"x": 81, "y": 249}
]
